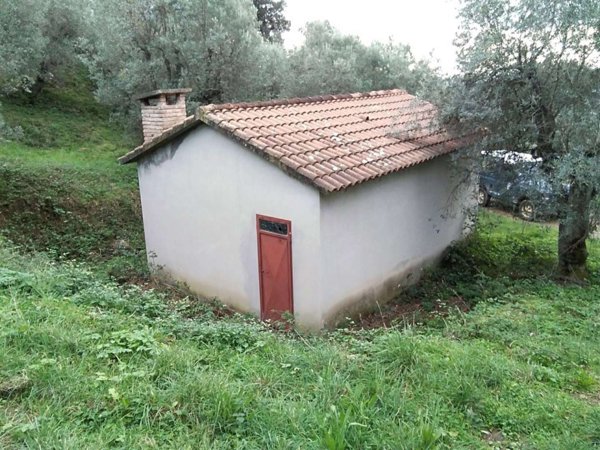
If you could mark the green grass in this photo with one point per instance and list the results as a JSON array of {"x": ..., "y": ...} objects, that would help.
[
  {"x": 61, "y": 189},
  {"x": 65, "y": 116},
  {"x": 89, "y": 364}
]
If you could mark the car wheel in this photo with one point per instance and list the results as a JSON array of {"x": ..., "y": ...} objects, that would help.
[
  {"x": 483, "y": 198},
  {"x": 526, "y": 210}
]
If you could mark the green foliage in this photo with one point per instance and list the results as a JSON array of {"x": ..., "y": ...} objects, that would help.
[
  {"x": 90, "y": 364},
  {"x": 87, "y": 363},
  {"x": 271, "y": 19},
  {"x": 38, "y": 39},
  {"x": 22, "y": 44},
  {"x": 329, "y": 62},
  {"x": 64, "y": 116},
  {"x": 62, "y": 190},
  {"x": 503, "y": 247},
  {"x": 530, "y": 76},
  {"x": 504, "y": 256},
  {"x": 240, "y": 337},
  {"x": 124, "y": 342},
  {"x": 75, "y": 213},
  {"x": 213, "y": 47},
  {"x": 15, "y": 280},
  {"x": 140, "y": 46}
]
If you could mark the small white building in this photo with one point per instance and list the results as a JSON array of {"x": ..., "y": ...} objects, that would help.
[{"x": 320, "y": 206}]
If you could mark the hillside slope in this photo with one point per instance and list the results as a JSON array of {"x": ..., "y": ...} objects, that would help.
[{"x": 61, "y": 189}]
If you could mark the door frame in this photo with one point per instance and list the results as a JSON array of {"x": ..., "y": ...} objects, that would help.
[{"x": 288, "y": 239}]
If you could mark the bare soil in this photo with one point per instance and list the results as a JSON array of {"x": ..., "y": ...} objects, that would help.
[{"x": 409, "y": 312}]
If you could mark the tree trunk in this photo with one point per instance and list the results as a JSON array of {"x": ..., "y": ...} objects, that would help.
[
  {"x": 40, "y": 82},
  {"x": 573, "y": 231},
  {"x": 36, "y": 89}
]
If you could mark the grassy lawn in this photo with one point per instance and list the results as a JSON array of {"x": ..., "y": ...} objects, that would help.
[{"x": 89, "y": 364}]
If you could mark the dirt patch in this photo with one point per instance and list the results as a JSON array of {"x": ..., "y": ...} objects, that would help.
[
  {"x": 409, "y": 312},
  {"x": 14, "y": 386},
  {"x": 493, "y": 436},
  {"x": 593, "y": 398}
]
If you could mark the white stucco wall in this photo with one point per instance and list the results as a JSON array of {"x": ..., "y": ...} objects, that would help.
[
  {"x": 200, "y": 196},
  {"x": 378, "y": 235}
]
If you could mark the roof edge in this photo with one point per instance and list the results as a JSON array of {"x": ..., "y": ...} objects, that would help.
[
  {"x": 261, "y": 153},
  {"x": 161, "y": 139},
  {"x": 298, "y": 100}
]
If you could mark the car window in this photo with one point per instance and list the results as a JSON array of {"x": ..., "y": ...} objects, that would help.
[{"x": 512, "y": 168}]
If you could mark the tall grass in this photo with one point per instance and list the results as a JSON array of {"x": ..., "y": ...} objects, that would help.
[{"x": 89, "y": 364}]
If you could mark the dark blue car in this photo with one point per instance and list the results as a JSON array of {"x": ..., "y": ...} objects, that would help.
[{"x": 517, "y": 182}]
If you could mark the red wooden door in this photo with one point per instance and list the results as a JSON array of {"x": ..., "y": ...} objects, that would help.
[{"x": 274, "y": 267}]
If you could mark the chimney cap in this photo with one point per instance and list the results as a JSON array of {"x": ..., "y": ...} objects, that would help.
[{"x": 160, "y": 92}]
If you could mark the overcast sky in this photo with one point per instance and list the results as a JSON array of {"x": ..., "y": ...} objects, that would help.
[{"x": 426, "y": 25}]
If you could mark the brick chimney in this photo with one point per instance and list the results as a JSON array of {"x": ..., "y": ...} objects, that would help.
[{"x": 161, "y": 110}]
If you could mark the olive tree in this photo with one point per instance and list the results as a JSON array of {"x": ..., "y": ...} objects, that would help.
[
  {"x": 212, "y": 46},
  {"x": 530, "y": 76},
  {"x": 331, "y": 62},
  {"x": 38, "y": 39},
  {"x": 271, "y": 19},
  {"x": 21, "y": 44}
]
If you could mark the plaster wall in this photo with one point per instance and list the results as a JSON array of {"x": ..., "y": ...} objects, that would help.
[
  {"x": 377, "y": 237},
  {"x": 200, "y": 196}
]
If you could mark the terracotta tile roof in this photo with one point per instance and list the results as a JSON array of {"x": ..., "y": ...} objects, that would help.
[{"x": 335, "y": 141}]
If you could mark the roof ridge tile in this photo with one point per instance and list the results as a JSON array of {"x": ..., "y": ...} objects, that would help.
[
  {"x": 299, "y": 100},
  {"x": 216, "y": 109}
]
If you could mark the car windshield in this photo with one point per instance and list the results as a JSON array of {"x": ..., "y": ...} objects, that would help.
[{"x": 535, "y": 178}]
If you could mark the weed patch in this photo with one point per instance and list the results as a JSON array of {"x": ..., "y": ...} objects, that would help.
[{"x": 112, "y": 366}]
